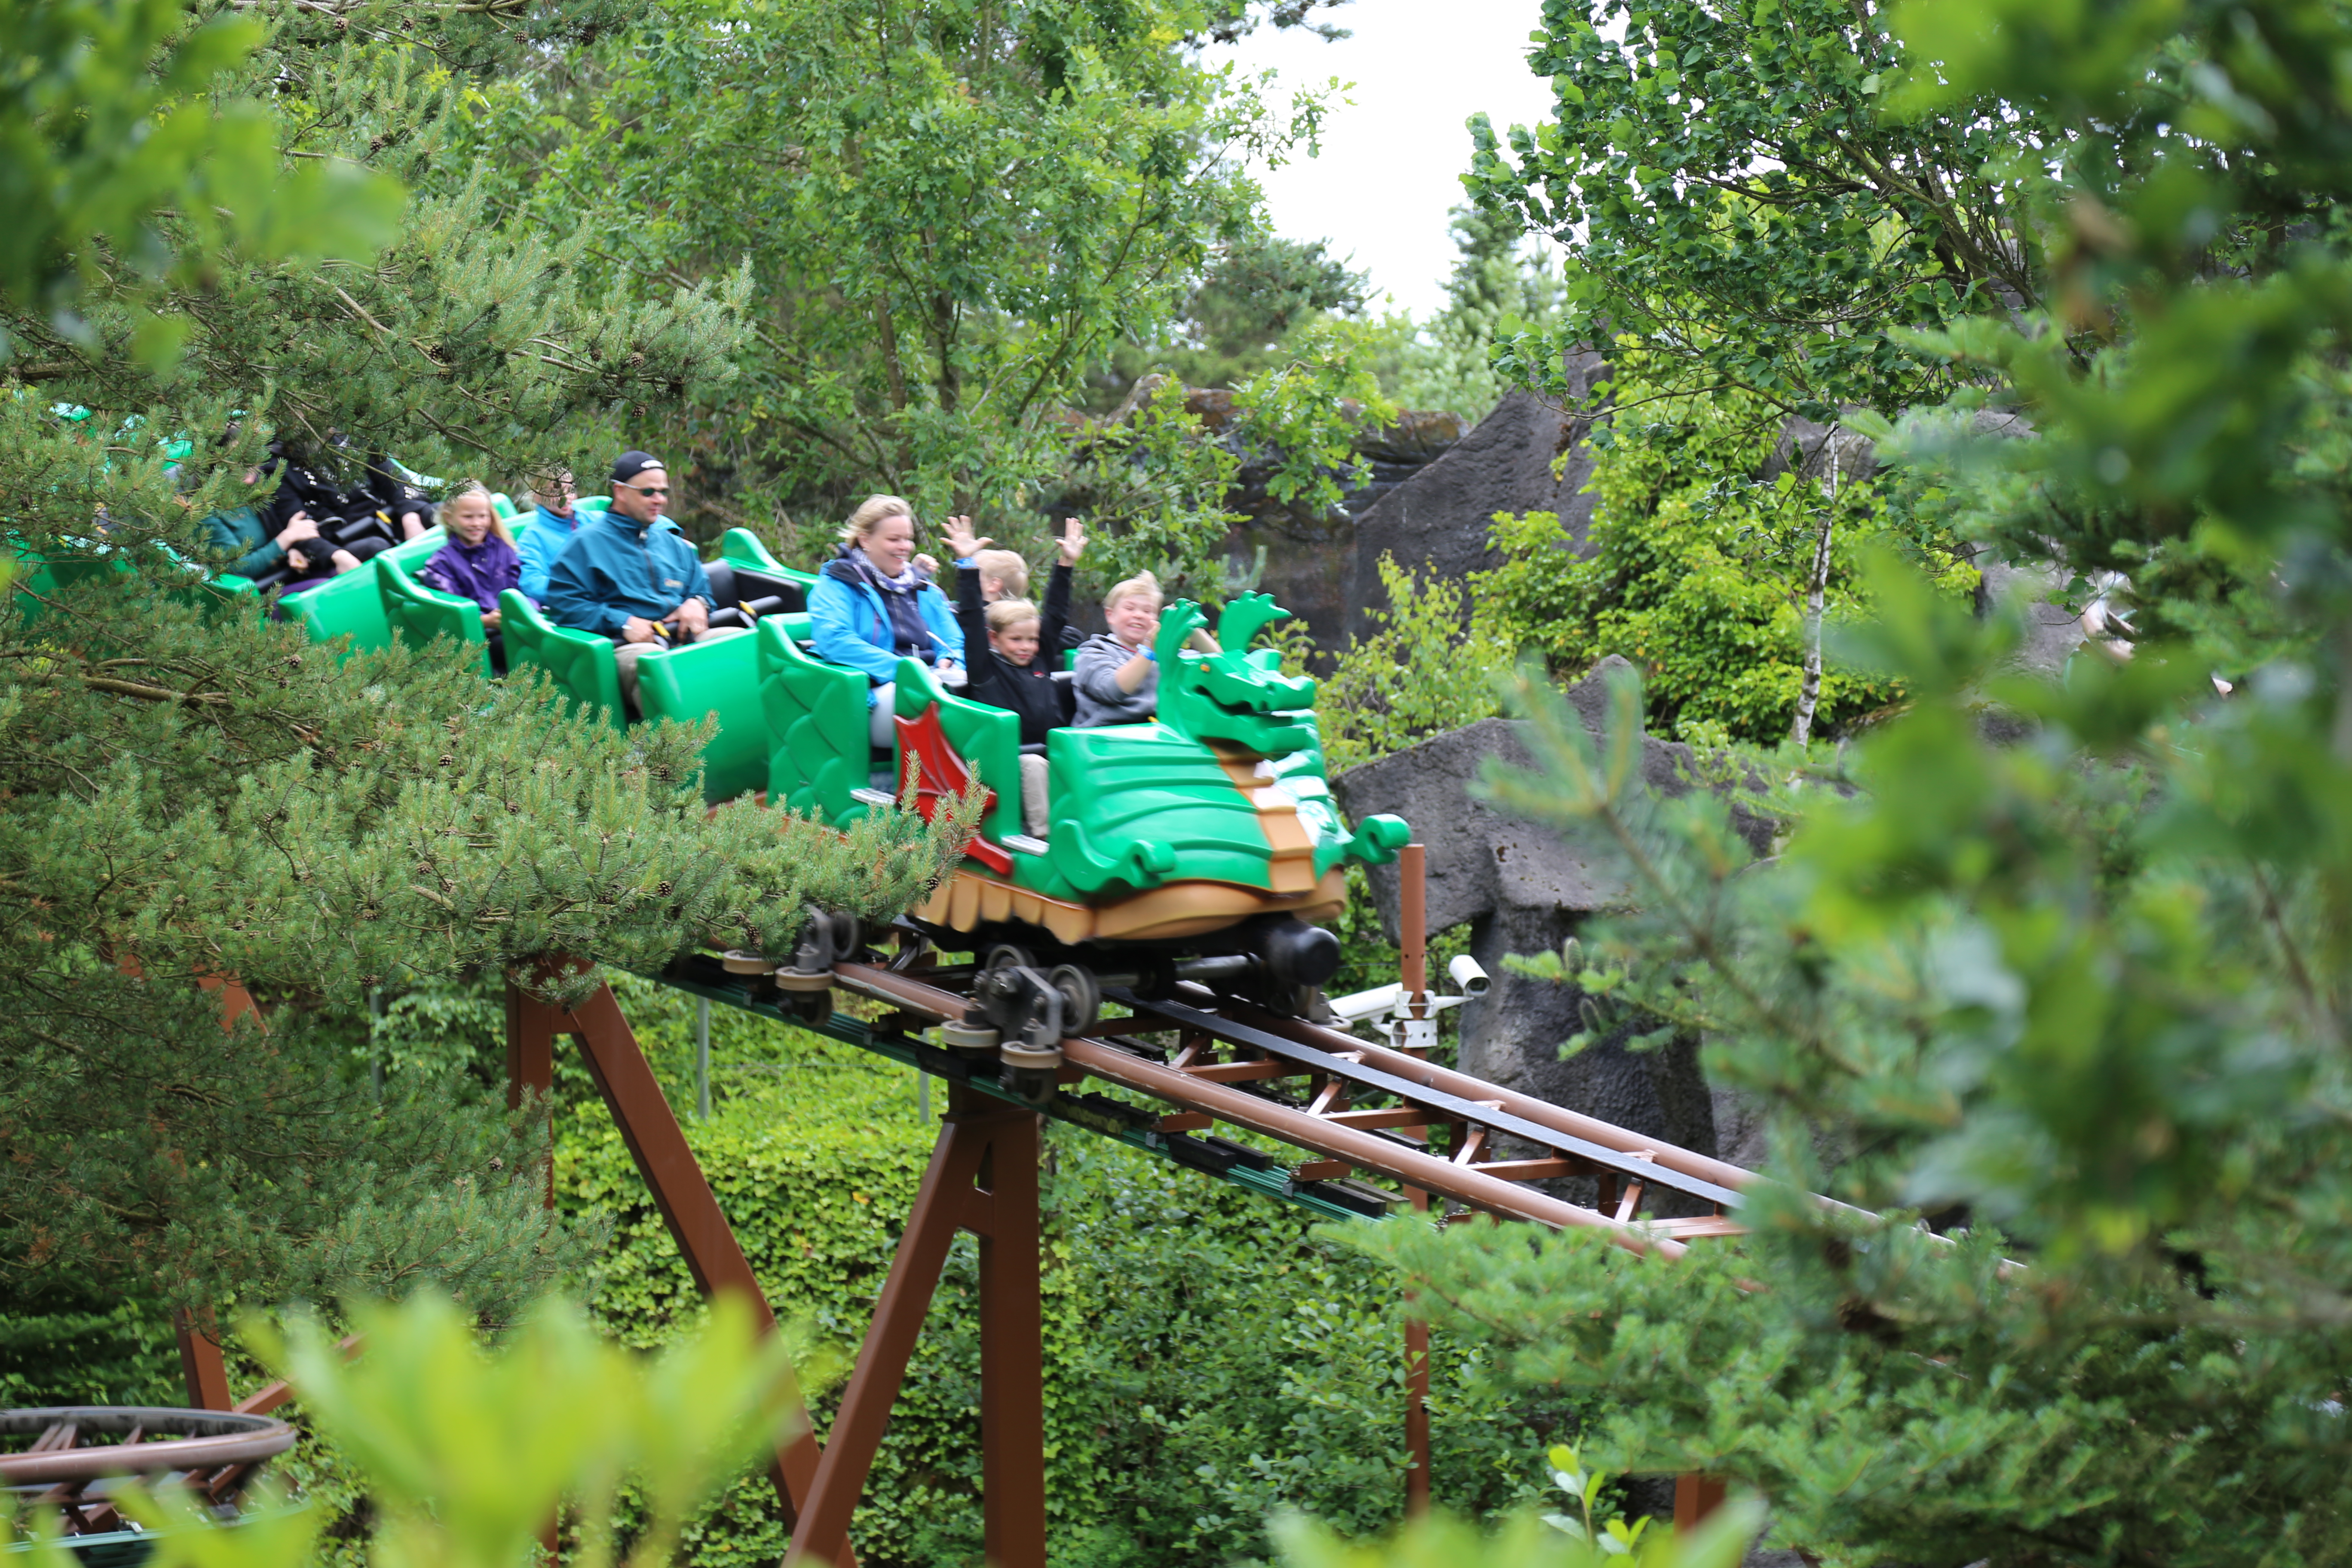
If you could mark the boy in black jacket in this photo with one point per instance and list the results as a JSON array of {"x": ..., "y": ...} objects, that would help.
[{"x": 1013, "y": 674}]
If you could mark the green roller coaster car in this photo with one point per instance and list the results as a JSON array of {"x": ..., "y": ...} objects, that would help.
[
  {"x": 1215, "y": 814},
  {"x": 1213, "y": 817}
]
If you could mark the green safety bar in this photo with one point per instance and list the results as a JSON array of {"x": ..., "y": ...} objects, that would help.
[
  {"x": 579, "y": 663},
  {"x": 418, "y": 615},
  {"x": 814, "y": 718}
]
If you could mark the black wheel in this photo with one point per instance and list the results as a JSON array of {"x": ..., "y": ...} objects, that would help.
[
  {"x": 1033, "y": 1086},
  {"x": 1081, "y": 996},
  {"x": 1155, "y": 977},
  {"x": 848, "y": 935},
  {"x": 1005, "y": 956}
]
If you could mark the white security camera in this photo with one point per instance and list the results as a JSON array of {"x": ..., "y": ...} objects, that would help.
[{"x": 1468, "y": 975}]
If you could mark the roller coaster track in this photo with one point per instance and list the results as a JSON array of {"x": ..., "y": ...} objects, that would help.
[
  {"x": 1356, "y": 1112},
  {"x": 1353, "y": 1109}
]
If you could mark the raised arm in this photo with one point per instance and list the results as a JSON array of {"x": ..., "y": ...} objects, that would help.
[{"x": 972, "y": 615}]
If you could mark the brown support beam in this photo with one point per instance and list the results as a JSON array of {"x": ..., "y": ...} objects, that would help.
[
  {"x": 865, "y": 1413},
  {"x": 983, "y": 1176},
  {"x": 235, "y": 1002},
  {"x": 1416, "y": 1391},
  {"x": 663, "y": 1157},
  {"x": 1413, "y": 927},
  {"x": 1011, "y": 1347},
  {"x": 530, "y": 1046},
  {"x": 201, "y": 1362},
  {"x": 530, "y": 1063},
  {"x": 1696, "y": 1497}
]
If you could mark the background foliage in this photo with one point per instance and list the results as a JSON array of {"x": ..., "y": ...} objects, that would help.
[
  {"x": 1694, "y": 567},
  {"x": 2072, "y": 997}
]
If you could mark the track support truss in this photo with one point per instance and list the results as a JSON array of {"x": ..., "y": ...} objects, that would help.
[
  {"x": 680, "y": 1191},
  {"x": 982, "y": 1178}
]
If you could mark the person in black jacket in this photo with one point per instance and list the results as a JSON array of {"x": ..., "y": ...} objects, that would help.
[{"x": 1013, "y": 674}]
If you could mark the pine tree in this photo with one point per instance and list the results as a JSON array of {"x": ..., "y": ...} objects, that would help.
[
  {"x": 1494, "y": 290},
  {"x": 188, "y": 792}
]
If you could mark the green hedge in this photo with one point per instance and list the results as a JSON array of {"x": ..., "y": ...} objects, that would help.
[{"x": 1208, "y": 1358}]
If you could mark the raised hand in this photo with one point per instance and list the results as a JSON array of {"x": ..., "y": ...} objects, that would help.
[
  {"x": 1073, "y": 541},
  {"x": 960, "y": 543}
]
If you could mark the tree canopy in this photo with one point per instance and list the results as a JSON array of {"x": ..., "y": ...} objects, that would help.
[
  {"x": 2046, "y": 975},
  {"x": 194, "y": 794}
]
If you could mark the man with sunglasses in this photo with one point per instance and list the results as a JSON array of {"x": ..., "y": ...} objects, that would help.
[{"x": 630, "y": 576}]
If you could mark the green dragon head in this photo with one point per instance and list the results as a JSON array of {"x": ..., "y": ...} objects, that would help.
[{"x": 1232, "y": 696}]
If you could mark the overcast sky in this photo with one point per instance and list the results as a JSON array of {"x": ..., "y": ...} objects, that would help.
[{"x": 1390, "y": 164}]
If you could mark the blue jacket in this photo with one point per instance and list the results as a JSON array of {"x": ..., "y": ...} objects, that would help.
[
  {"x": 544, "y": 537},
  {"x": 849, "y": 625},
  {"x": 613, "y": 568}
]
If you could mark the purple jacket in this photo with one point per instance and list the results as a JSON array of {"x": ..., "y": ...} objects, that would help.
[{"x": 479, "y": 573}]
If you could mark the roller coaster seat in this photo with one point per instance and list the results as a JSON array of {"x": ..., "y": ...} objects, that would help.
[
  {"x": 719, "y": 679},
  {"x": 746, "y": 573},
  {"x": 417, "y": 614},
  {"x": 349, "y": 606},
  {"x": 813, "y": 716},
  {"x": 988, "y": 738},
  {"x": 579, "y": 663},
  {"x": 37, "y": 576}
]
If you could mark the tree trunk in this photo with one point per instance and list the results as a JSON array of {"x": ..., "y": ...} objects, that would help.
[{"x": 1817, "y": 586}]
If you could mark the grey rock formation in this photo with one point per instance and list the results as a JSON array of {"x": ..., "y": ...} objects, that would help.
[
  {"x": 1308, "y": 552},
  {"x": 1307, "y": 555},
  {"x": 2051, "y": 634},
  {"x": 1436, "y": 520},
  {"x": 1524, "y": 889},
  {"x": 1817, "y": 451},
  {"x": 2052, "y": 631},
  {"x": 1309, "y": 558}
]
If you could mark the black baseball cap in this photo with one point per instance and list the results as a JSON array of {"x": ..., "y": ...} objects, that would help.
[{"x": 629, "y": 465}]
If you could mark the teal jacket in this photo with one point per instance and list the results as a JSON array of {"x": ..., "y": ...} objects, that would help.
[
  {"x": 615, "y": 568},
  {"x": 544, "y": 539},
  {"x": 242, "y": 532}
]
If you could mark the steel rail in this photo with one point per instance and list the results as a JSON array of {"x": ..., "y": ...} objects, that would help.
[
  {"x": 1415, "y": 1082},
  {"x": 1669, "y": 1156},
  {"x": 216, "y": 1438},
  {"x": 1387, "y": 1157},
  {"x": 1125, "y": 1125}
]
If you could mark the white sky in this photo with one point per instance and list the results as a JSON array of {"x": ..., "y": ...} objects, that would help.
[{"x": 1391, "y": 163}]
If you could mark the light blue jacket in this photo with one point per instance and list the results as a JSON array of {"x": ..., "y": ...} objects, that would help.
[
  {"x": 613, "y": 568},
  {"x": 543, "y": 539},
  {"x": 848, "y": 623}
]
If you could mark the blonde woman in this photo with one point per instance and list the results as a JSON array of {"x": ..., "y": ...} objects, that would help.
[{"x": 870, "y": 607}]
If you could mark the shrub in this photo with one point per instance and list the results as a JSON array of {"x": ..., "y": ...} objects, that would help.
[
  {"x": 1208, "y": 1359},
  {"x": 1695, "y": 570},
  {"x": 1428, "y": 667}
]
